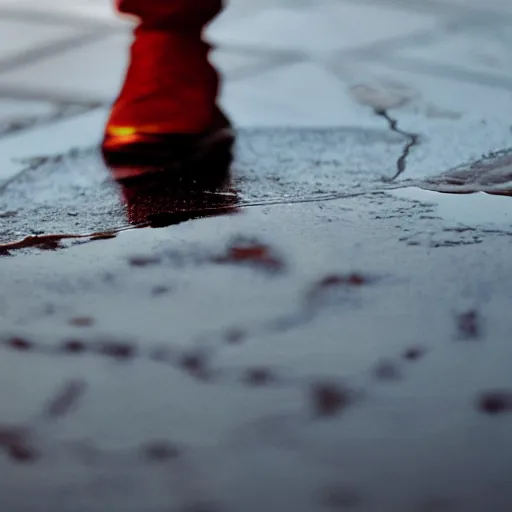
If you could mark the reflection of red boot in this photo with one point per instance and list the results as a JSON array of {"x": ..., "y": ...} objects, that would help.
[
  {"x": 157, "y": 202},
  {"x": 166, "y": 112}
]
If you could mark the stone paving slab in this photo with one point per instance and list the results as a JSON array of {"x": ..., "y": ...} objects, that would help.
[
  {"x": 78, "y": 71},
  {"x": 336, "y": 26},
  {"x": 20, "y": 36},
  {"x": 477, "y": 50}
]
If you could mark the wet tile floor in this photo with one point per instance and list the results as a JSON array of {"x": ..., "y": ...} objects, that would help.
[
  {"x": 289, "y": 346},
  {"x": 314, "y": 335}
]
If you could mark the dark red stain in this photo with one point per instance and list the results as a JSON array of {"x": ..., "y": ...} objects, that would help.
[
  {"x": 160, "y": 451},
  {"x": 495, "y": 402},
  {"x": 195, "y": 364},
  {"x": 48, "y": 242},
  {"x": 82, "y": 321},
  {"x": 20, "y": 344},
  {"x": 328, "y": 399},
  {"x": 117, "y": 350},
  {"x": 353, "y": 279},
  {"x": 17, "y": 446},
  {"x": 414, "y": 353},
  {"x": 74, "y": 347},
  {"x": 258, "y": 377},
  {"x": 22, "y": 453},
  {"x": 342, "y": 281},
  {"x": 469, "y": 325},
  {"x": 253, "y": 253}
]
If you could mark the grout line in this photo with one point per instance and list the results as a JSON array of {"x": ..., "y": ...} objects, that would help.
[
  {"x": 262, "y": 68},
  {"x": 49, "y": 50},
  {"x": 29, "y": 122},
  {"x": 421, "y": 37},
  {"x": 451, "y": 72},
  {"x": 256, "y": 51},
  {"x": 440, "y": 8},
  {"x": 45, "y": 18},
  {"x": 27, "y": 94}
]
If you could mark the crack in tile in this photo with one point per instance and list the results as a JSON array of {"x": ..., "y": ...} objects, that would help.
[{"x": 413, "y": 140}]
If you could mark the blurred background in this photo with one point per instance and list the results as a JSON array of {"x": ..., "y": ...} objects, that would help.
[{"x": 285, "y": 62}]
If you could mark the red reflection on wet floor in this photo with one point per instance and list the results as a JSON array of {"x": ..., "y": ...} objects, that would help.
[
  {"x": 160, "y": 196},
  {"x": 252, "y": 252}
]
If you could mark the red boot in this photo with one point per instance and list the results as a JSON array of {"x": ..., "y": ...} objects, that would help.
[{"x": 166, "y": 113}]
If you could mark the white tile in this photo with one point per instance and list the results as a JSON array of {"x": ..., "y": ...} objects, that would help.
[
  {"x": 302, "y": 94},
  {"x": 17, "y": 37},
  {"x": 233, "y": 63},
  {"x": 11, "y": 110},
  {"x": 494, "y": 5},
  {"x": 471, "y": 51},
  {"x": 104, "y": 10},
  {"x": 92, "y": 9},
  {"x": 94, "y": 71},
  {"x": 427, "y": 96},
  {"x": 326, "y": 27},
  {"x": 84, "y": 130}
]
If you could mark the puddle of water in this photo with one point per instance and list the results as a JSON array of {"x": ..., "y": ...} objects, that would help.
[
  {"x": 152, "y": 197},
  {"x": 476, "y": 193},
  {"x": 78, "y": 201},
  {"x": 75, "y": 197},
  {"x": 159, "y": 200},
  {"x": 472, "y": 209}
]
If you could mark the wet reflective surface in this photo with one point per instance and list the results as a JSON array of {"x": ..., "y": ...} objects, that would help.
[
  {"x": 75, "y": 195},
  {"x": 160, "y": 197},
  {"x": 306, "y": 325}
]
